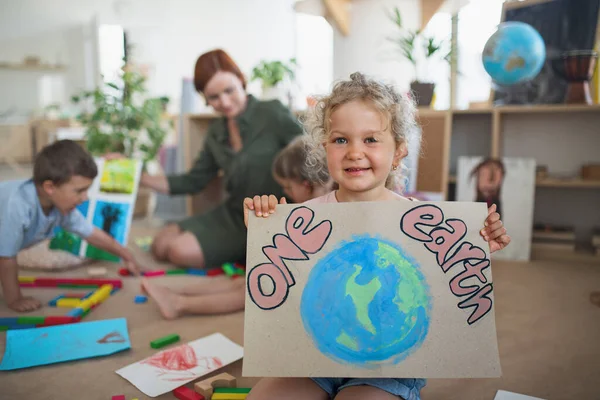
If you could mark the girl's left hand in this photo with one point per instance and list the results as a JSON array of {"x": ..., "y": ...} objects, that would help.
[{"x": 494, "y": 232}]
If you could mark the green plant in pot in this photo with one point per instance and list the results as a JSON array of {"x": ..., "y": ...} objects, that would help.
[
  {"x": 119, "y": 117},
  {"x": 271, "y": 74},
  {"x": 420, "y": 50}
]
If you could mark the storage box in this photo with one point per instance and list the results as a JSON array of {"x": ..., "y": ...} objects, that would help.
[{"x": 590, "y": 172}]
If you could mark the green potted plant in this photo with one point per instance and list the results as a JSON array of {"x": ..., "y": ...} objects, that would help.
[
  {"x": 420, "y": 50},
  {"x": 271, "y": 74},
  {"x": 122, "y": 120},
  {"x": 120, "y": 117}
]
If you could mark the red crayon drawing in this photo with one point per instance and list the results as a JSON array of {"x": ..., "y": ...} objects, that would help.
[
  {"x": 113, "y": 337},
  {"x": 181, "y": 363}
]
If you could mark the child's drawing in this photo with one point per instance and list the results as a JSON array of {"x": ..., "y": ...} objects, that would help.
[
  {"x": 68, "y": 241},
  {"x": 402, "y": 292},
  {"x": 55, "y": 344},
  {"x": 181, "y": 363},
  {"x": 112, "y": 219},
  {"x": 118, "y": 176},
  {"x": 366, "y": 303},
  {"x": 173, "y": 367}
]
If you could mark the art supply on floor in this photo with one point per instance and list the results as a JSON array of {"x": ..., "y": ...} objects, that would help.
[
  {"x": 103, "y": 288},
  {"x": 41, "y": 346},
  {"x": 97, "y": 271},
  {"x": 140, "y": 298},
  {"x": 164, "y": 341}
]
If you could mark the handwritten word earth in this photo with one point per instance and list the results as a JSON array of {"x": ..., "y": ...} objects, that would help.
[{"x": 470, "y": 260}]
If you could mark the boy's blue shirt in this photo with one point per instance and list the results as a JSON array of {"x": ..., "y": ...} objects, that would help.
[{"x": 23, "y": 222}]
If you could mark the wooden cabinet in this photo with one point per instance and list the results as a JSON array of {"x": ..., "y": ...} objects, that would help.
[{"x": 560, "y": 137}]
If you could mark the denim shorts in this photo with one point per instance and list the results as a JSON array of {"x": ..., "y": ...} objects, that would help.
[{"x": 408, "y": 389}]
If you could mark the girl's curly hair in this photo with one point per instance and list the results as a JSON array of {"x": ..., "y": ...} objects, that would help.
[{"x": 398, "y": 109}]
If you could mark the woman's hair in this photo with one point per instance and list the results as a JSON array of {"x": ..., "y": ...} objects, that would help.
[
  {"x": 290, "y": 163},
  {"x": 397, "y": 108},
  {"x": 208, "y": 64}
]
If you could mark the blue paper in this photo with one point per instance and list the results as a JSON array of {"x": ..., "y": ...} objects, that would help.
[{"x": 54, "y": 344}]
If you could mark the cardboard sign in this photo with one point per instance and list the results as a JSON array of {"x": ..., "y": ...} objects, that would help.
[{"x": 386, "y": 289}]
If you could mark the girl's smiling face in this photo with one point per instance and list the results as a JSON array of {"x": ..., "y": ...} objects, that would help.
[{"x": 361, "y": 150}]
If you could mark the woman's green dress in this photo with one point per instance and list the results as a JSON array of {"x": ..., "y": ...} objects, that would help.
[{"x": 266, "y": 127}]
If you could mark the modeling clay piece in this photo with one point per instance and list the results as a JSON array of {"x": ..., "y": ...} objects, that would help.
[{"x": 164, "y": 341}]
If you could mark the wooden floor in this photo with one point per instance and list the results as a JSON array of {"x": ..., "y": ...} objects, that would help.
[{"x": 548, "y": 334}]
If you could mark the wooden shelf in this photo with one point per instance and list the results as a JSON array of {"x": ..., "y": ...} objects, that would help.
[
  {"x": 549, "y": 108},
  {"x": 532, "y": 109},
  {"x": 568, "y": 183},
  {"x": 26, "y": 67},
  {"x": 556, "y": 183}
]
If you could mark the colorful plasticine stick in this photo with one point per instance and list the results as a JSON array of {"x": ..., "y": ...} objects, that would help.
[{"x": 72, "y": 282}]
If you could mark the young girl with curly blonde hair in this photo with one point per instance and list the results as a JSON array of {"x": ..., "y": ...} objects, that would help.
[{"x": 362, "y": 130}]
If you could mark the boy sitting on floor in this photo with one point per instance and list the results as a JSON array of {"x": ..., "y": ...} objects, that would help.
[{"x": 31, "y": 209}]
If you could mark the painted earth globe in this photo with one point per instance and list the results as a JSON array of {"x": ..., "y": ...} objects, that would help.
[
  {"x": 514, "y": 54},
  {"x": 366, "y": 303}
]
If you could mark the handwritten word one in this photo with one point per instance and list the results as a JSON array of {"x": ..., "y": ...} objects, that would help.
[
  {"x": 296, "y": 244},
  {"x": 441, "y": 240}
]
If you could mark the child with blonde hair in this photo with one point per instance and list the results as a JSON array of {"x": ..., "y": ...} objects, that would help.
[
  {"x": 292, "y": 172},
  {"x": 361, "y": 129}
]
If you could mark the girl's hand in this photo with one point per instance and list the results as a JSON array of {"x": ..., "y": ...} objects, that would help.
[
  {"x": 494, "y": 232},
  {"x": 263, "y": 206}
]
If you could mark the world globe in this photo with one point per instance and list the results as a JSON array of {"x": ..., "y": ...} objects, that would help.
[
  {"x": 366, "y": 303},
  {"x": 514, "y": 54}
]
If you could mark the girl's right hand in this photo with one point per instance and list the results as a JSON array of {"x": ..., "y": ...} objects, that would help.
[{"x": 263, "y": 206}]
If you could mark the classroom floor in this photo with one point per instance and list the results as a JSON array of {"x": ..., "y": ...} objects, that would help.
[{"x": 548, "y": 334}]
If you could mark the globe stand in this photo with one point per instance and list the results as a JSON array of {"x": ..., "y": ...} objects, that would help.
[{"x": 579, "y": 69}]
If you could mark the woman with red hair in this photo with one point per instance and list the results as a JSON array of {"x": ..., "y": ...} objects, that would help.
[{"x": 244, "y": 141}]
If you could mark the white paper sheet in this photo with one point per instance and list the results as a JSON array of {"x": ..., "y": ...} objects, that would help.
[
  {"x": 504, "y": 395},
  {"x": 175, "y": 366}
]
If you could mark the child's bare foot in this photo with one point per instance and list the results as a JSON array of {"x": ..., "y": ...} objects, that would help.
[
  {"x": 167, "y": 300},
  {"x": 25, "y": 304}
]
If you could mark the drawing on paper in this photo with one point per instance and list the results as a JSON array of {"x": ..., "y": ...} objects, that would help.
[
  {"x": 404, "y": 291},
  {"x": 55, "y": 344},
  {"x": 182, "y": 364},
  {"x": 111, "y": 217},
  {"x": 366, "y": 303},
  {"x": 173, "y": 367},
  {"x": 68, "y": 241},
  {"x": 118, "y": 176}
]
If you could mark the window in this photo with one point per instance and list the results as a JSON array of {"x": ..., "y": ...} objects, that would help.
[{"x": 314, "y": 55}]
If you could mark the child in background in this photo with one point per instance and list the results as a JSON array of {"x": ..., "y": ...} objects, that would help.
[
  {"x": 222, "y": 294},
  {"x": 292, "y": 173},
  {"x": 31, "y": 209},
  {"x": 362, "y": 128}
]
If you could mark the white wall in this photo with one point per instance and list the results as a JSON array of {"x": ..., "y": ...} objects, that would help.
[
  {"x": 366, "y": 48},
  {"x": 168, "y": 37}
]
